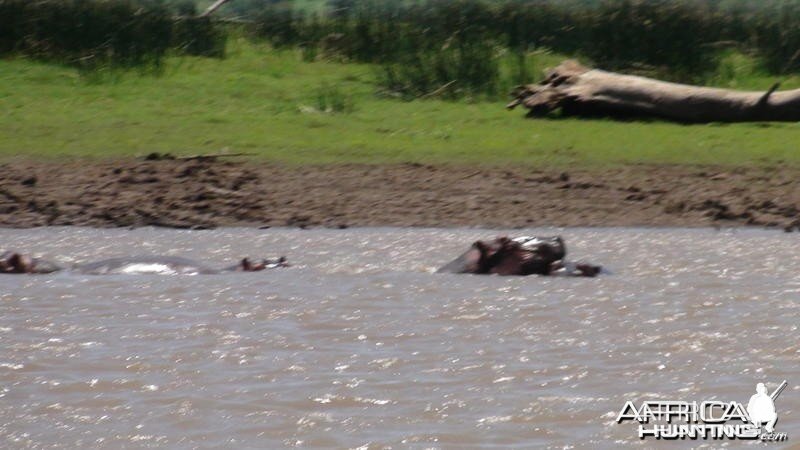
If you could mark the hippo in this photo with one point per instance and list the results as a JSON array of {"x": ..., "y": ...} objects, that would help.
[
  {"x": 16, "y": 263},
  {"x": 524, "y": 255}
]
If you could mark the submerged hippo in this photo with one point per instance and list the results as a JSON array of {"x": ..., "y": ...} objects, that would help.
[
  {"x": 524, "y": 255},
  {"x": 16, "y": 263}
]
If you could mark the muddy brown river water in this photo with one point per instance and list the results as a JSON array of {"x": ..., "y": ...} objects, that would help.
[{"x": 360, "y": 345}]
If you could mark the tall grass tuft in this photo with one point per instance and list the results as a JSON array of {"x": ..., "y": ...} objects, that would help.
[
  {"x": 199, "y": 36},
  {"x": 422, "y": 46},
  {"x": 453, "y": 48},
  {"x": 330, "y": 99},
  {"x": 92, "y": 34}
]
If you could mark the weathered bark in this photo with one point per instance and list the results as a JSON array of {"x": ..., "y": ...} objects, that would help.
[{"x": 579, "y": 91}]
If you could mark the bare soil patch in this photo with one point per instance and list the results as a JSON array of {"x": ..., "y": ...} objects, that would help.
[{"x": 209, "y": 193}]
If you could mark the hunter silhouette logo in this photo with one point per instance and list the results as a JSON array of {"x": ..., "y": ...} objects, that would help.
[
  {"x": 709, "y": 419},
  {"x": 761, "y": 407}
]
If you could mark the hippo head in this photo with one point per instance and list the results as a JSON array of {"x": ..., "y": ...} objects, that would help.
[
  {"x": 579, "y": 269},
  {"x": 505, "y": 256},
  {"x": 13, "y": 262},
  {"x": 17, "y": 263},
  {"x": 245, "y": 265}
]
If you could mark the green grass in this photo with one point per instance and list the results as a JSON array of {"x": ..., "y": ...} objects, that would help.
[{"x": 268, "y": 103}]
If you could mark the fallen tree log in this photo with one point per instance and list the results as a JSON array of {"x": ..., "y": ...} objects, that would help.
[{"x": 580, "y": 91}]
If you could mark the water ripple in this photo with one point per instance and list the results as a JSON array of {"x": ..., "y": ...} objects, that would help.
[{"x": 359, "y": 345}]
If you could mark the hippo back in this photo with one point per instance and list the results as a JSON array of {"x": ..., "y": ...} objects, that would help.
[
  {"x": 553, "y": 246},
  {"x": 143, "y": 265},
  {"x": 467, "y": 262},
  {"x": 43, "y": 266}
]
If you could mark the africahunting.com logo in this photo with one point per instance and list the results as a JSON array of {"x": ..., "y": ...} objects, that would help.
[{"x": 709, "y": 419}]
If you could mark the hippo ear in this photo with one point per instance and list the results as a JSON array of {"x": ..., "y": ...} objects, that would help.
[
  {"x": 558, "y": 248},
  {"x": 503, "y": 240}
]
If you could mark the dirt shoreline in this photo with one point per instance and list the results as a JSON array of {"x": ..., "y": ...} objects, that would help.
[{"x": 207, "y": 193}]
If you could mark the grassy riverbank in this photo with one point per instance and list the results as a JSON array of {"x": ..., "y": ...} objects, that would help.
[{"x": 274, "y": 105}]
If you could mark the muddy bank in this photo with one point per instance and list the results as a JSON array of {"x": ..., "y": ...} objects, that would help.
[{"x": 209, "y": 193}]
